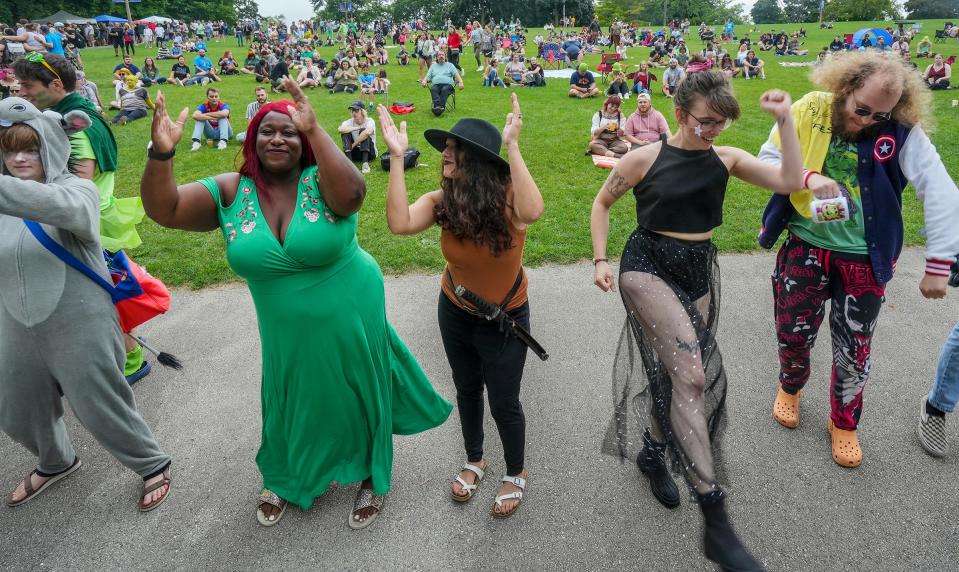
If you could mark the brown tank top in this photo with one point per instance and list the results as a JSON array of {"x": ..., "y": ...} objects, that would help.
[{"x": 491, "y": 277}]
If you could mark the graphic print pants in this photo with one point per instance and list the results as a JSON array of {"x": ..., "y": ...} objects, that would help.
[{"x": 805, "y": 278}]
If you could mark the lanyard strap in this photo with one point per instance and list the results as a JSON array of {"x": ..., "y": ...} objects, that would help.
[{"x": 68, "y": 258}]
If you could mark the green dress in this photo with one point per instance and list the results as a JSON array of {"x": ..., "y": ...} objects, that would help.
[{"x": 337, "y": 381}]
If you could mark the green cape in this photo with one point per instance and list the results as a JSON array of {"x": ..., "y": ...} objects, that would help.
[{"x": 101, "y": 137}]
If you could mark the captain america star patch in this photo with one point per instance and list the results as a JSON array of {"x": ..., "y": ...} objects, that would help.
[{"x": 885, "y": 148}]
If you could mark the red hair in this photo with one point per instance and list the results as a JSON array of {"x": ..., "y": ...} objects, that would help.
[{"x": 251, "y": 166}]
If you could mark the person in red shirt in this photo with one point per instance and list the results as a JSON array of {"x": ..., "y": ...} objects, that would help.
[{"x": 455, "y": 44}]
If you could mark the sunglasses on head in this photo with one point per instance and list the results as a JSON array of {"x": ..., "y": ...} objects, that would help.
[{"x": 37, "y": 58}]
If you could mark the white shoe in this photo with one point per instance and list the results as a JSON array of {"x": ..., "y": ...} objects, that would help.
[
  {"x": 626, "y": 96},
  {"x": 479, "y": 69},
  {"x": 195, "y": 146},
  {"x": 221, "y": 145},
  {"x": 366, "y": 168}
]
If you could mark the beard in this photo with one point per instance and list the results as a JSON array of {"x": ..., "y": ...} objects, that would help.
[{"x": 839, "y": 124}]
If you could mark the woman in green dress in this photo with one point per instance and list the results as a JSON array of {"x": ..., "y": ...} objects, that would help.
[{"x": 337, "y": 381}]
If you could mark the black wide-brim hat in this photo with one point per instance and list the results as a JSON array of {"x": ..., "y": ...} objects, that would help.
[{"x": 477, "y": 134}]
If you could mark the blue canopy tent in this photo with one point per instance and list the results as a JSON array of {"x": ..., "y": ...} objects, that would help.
[
  {"x": 874, "y": 34},
  {"x": 108, "y": 18}
]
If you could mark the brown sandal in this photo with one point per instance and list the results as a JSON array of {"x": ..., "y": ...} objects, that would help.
[
  {"x": 786, "y": 409},
  {"x": 28, "y": 484},
  {"x": 845, "y": 447},
  {"x": 165, "y": 481}
]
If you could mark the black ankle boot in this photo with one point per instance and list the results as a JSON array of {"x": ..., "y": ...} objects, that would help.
[
  {"x": 652, "y": 462},
  {"x": 720, "y": 543}
]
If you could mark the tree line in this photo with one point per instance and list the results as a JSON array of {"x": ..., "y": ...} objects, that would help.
[
  {"x": 776, "y": 11},
  {"x": 533, "y": 13},
  {"x": 188, "y": 10}
]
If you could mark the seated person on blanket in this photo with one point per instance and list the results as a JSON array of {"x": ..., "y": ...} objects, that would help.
[
  {"x": 582, "y": 84},
  {"x": 607, "y": 136}
]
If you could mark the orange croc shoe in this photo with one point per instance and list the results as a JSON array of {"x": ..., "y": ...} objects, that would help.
[
  {"x": 786, "y": 409},
  {"x": 845, "y": 447}
]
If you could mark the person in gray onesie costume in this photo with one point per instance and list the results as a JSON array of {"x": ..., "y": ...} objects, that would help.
[{"x": 59, "y": 332}]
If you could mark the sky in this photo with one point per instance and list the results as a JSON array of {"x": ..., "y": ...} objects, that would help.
[{"x": 292, "y": 9}]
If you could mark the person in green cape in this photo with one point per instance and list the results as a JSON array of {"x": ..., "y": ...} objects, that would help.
[
  {"x": 48, "y": 81},
  {"x": 337, "y": 382}
]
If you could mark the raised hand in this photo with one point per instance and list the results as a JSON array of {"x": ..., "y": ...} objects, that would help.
[
  {"x": 775, "y": 102},
  {"x": 165, "y": 133},
  {"x": 302, "y": 115},
  {"x": 397, "y": 141},
  {"x": 514, "y": 123}
]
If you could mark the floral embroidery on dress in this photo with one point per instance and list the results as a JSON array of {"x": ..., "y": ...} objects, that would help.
[
  {"x": 245, "y": 217},
  {"x": 312, "y": 203}
]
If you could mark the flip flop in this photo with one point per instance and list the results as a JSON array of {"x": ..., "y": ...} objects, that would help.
[
  {"x": 269, "y": 497},
  {"x": 518, "y": 495},
  {"x": 165, "y": 481},
  {"x": 28, "y": 485},
  {"x": 468, "y": 488},
  {"x": 365, "y": 499}
]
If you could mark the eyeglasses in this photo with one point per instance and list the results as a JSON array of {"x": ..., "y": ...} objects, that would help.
[
  {"x": 27, "y": 155},
  {"x": 37, "y": 58},
  {"x": 711, "y": 124},
  {"x": 878, "y": 117}
]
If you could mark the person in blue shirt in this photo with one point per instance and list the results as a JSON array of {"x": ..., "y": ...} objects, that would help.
[
  {"x": 572, "y": 48},
  {"x": 53, "y": 37},
  {"x": 582, "y": 84},
  {"x": 128, "y": 65},
  {"x": 212, "y": 119},
  {"x": 200, "y": 46},
  {"x": 203, "y": 68}
]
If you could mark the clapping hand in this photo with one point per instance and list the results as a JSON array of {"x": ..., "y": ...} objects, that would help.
[
  {"x": 302, "y": 115},
  {"x": 165, "y": 132},
  {"x": 397, "y": 141},
  {"x": 514, "y": 123}
]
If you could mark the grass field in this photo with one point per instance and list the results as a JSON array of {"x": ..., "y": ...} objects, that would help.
[{"x": 555, "y": 134}]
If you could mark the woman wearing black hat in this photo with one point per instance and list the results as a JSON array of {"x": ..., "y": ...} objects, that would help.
[{"x": 483, "y": 207}]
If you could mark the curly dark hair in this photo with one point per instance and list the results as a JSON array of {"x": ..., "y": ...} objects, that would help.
[{"x": 474, "y": 202}]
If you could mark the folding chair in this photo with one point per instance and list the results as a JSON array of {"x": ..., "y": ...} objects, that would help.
[
  {"x": 553, "y": 55},
  {"x": 847, "y": 40},
  {"x": 451, "y": 101},
  {"x": 606, "y": 64}
]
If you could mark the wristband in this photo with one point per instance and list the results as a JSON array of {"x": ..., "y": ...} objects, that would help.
[
  {"x": 805, "y": 177},
  {"x": 598, "y": 260},
  {"x": 157, "y": 156}
]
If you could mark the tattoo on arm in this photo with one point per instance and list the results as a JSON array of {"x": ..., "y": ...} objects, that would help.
[
  {"x": 616, "y": 185},
  {"x": 689, "y": 347}
]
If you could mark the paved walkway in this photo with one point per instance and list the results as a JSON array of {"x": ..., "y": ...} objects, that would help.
[{"x": 794, "y": 507}]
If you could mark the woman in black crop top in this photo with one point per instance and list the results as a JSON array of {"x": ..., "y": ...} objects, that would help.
[{"x": 670, "y": 286}]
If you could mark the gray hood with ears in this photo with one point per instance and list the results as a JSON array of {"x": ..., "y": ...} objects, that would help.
[{"x": 53, "y": 129}]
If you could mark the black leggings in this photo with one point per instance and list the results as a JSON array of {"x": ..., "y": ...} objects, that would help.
[{"x": 480, "y": 355}]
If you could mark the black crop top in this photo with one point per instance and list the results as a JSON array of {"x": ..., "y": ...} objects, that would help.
[{"x": 683, "y": 191}]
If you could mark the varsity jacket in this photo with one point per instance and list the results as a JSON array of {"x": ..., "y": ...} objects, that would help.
[{"x": 896, "y": 156}]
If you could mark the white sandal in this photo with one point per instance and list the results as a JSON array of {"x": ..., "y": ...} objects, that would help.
[
  {"x": 468, "y": 489},
  {"x": 518, "y": 495}
]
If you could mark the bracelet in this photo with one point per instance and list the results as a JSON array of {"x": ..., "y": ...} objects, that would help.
[
  {"x": 805, "y": 177},
  {"x": 598, "y": 260},
  {"x": 157, "y": 156}
]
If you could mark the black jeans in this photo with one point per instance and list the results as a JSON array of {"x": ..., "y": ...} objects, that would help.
[
  {"x": 481, "y": 355},
  {"x": 440, "y": 93},
  {"x": 364, "y": 152}
]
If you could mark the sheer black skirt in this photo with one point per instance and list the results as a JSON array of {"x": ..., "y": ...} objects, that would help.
[{"x": 668, "y": 373}]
